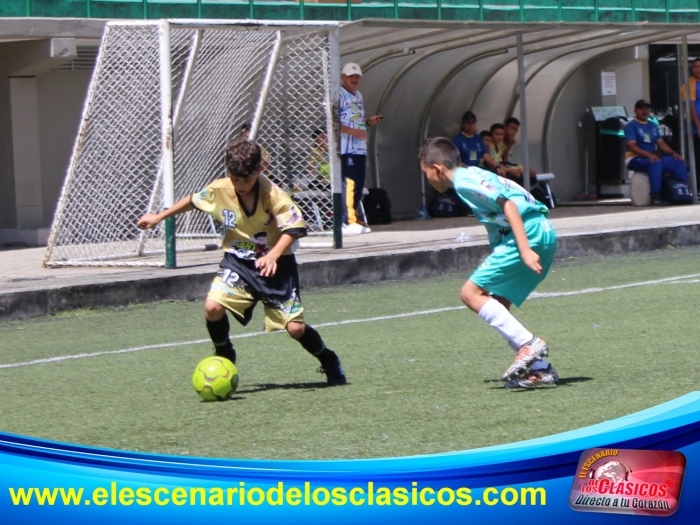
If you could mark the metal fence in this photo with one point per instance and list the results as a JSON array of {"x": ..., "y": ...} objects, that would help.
[
  {"x": 196, "y": 82},
  {"x": 673, "y": 11}
]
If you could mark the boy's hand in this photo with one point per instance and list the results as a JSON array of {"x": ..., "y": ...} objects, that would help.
[
  {"x": 148, "y": 221},
  {"x": 373, "y": 121},
  {"x": 267, "y": 264},
  {"x": 532, "y": 260},
  {"x": 359, "y": 134}
]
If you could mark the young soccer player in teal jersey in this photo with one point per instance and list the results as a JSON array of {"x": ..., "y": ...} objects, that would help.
[{"x": 523, "y": 243}]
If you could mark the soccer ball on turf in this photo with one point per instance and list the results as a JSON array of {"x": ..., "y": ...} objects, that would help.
[{"x": 215, "y": 378}]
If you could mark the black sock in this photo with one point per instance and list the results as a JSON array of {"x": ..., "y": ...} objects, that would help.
[
  {"x": 218, "y": 331},
  {"x": 312, "y": 343}
]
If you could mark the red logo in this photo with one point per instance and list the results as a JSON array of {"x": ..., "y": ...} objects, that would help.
[{"x": 643, "y": 482}]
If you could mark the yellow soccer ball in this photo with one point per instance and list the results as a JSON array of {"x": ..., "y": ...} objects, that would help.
[{"x": 215, "y": 378}]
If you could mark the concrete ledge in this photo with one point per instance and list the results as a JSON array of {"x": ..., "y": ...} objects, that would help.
[
  {"x": 359, "y": 269},
  {"x": 24, "y": 236}
]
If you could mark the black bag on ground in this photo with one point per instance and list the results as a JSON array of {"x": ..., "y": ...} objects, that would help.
[
  {"x": 675, "y": 191},
  {"x": 444, "y": 204},
  {"x": 377, "y": 206}
]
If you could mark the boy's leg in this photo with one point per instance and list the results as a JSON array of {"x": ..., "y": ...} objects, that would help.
[
  {"x": 530, "y": 348},
  {"x": 218, "y": 327},
  {"x": 225, "y": 296},
  {"x": 312, "y": 342},
  {"x": 540, "y": 364},
  {"x": 354, "y": 173},
  {"x": 287, "y": 313},
  {"x": 504, "y": 275}
]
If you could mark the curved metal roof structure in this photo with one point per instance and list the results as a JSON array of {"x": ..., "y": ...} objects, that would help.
[{"x": 422, "y": 75}]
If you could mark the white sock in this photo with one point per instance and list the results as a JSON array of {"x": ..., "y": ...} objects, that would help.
[{"x": 498, "y": 316}]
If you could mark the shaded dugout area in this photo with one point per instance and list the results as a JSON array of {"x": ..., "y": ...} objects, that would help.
[{"x": 423, "y": 75}]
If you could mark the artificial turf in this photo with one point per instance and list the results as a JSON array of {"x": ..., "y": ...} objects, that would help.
[{"x": 419, "y": 384}]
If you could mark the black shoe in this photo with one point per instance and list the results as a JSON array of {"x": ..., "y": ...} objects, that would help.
[
  {"x": 658, "y": 201},
  {"x": 333, "y": 369}
]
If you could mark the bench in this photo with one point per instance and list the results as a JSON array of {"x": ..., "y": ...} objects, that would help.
[{"x": 545, "y": 178}]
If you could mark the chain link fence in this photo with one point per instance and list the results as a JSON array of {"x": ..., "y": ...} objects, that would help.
[{"x": 217, "y": 76}]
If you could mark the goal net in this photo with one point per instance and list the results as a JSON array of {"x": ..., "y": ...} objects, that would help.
[{"x": 164, "y": 99}]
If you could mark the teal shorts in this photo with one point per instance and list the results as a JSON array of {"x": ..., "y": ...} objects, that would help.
[{"x": 504, "y": 273}]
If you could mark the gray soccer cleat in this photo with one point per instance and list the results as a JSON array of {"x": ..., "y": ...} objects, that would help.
[
  {"x": 528, "y": 354},
  {"x": 548, "y": 376}
]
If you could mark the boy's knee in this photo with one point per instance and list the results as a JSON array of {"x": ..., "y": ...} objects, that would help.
[
  {"x": 296, "y": 329},
  {"x": 468, "y": 293},
  {"x": 213, "y": 311}
]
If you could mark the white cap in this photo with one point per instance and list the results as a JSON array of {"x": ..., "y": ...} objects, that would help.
[{"x": 350, "y": 69}]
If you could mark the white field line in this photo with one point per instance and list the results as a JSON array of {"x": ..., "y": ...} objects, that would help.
[{"x": 669, "y": 280}]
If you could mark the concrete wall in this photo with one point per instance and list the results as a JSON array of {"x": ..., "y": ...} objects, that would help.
[
  {"x": 40, "y": 110},
  {"x": 61, "y": 99}
]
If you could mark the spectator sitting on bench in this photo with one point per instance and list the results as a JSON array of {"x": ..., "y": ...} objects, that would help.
[
  {"x": 471, "y": 147},
  {"x": 496, "y": 164},
  {"x": 512, "y": 126},
  {"x": 649, "y": 153},
  {"x": 319, "y": 168},
  {"x": 488, "y": 142}
]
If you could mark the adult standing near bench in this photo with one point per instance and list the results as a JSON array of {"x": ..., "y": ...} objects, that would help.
[
  {"x": 694, "y": 111},
  {"x": 353, "y": 146},
  {"x": 648, "y": 152}
]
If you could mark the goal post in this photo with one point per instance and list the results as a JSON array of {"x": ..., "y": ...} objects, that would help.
[{"x": 164, "y": 99}]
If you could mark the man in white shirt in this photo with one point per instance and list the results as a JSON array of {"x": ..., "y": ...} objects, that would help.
[{"x": 353, "y": 146}]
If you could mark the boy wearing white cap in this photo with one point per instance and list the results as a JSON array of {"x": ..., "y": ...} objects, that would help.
[{"x": 353, "y": 145}]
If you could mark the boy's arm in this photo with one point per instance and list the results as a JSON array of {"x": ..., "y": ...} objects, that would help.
[
  {"x": 527, "y": 254},
  {"x": 149, "y": 220},
  {"x": 267, "y": 264}
]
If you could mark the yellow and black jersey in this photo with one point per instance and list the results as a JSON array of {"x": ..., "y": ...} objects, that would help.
[{"x": 250, "y": 236}]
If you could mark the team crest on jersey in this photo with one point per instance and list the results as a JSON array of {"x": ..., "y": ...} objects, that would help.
[
  {"x": 486, "y": 184},
  {"x": 254, "y": 248},
  {"x": 294, "y": 216}
]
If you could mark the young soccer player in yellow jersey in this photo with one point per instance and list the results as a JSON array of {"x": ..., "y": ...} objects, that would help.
[
  {"x": 523, "y": 243},
  {"x": 260, "y": 224}
]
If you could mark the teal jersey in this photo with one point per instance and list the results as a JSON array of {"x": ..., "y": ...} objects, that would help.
[{"x": 480, "y": 189}]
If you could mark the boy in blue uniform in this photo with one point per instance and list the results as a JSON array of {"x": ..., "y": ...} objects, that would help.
[
  {"x": 260, "y": 224},
  {"x": 470, "y": 145},
  {"x": 523, "y": 243},
  {"x": 646, "y": 146}
]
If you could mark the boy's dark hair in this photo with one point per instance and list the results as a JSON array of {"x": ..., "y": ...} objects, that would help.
[
  {"x": 496, "y": 126},
  {"x": 318, "y": 132},
  {"x": 485, "y": 133},
  {"x": 439, "y": 150},
  {"x": 243, "y": 158},
  {"x": 696, "y": 60},
  {"x": 512, "y": 120}
]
